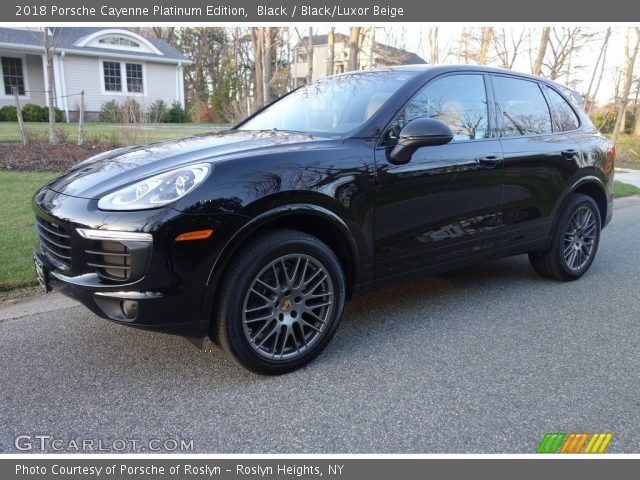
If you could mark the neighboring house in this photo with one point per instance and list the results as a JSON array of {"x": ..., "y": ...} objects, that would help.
[
  {"x": 106, "y": 63},
  {"x": 372, "y": 54}
]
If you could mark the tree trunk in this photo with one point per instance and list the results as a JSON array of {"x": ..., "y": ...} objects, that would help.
[
  {"x": 630, "y": 60},
  {"x": 332, "y": 51},
  {"x": 267, "y": 55},
  {"x": 256, "y": 42},
  {"x": 48, "y": 55},
  {"x": 53, "y": 131},
  {"x": 354, "y": 48},
  {"x": 591, "y": 97},
  {"x": 372, "y": 48},
  {"x": 542, "y": 49},
  {"x": 310, "y": 57},
  {"x": 636, "y": 111},
  {"x": 433, "y": 46},
  {"x": 487, "y": 34}
]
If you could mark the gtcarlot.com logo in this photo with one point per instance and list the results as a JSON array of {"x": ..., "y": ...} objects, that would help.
[{"x": 49, "y": 443}]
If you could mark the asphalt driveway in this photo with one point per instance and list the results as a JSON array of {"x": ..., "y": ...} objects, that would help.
[{"x": 486, "y": 359}]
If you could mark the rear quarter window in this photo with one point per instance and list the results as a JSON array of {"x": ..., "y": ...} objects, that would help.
[{"x": 564, "y": 117}]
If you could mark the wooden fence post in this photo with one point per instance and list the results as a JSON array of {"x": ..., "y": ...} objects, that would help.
[
  {"x": 81, "y": 119},
  {"x": 23, "y": 132}
]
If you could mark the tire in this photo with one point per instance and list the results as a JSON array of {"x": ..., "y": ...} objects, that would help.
[
  {"x": 280, "y": 302},
  {"x": 575, "y": 241}
]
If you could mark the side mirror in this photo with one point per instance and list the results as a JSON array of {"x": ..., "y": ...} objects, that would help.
[{"x": 421, "y": 132}]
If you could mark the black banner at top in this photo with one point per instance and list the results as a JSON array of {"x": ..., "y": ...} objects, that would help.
[{"x": 282, "y": 11}]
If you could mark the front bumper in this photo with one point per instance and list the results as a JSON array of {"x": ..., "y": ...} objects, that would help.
[{"x": 168, "y": 279}]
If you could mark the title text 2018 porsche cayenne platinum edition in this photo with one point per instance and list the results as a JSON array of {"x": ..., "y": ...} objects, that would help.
[{"x": 256, "y": 236}]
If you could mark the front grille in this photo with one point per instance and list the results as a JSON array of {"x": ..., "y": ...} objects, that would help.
[
  {"x": 55, "y": 243},
  {"x": 111, "y": 259}
]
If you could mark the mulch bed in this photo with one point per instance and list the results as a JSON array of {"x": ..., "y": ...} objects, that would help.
[{"x": 42, "y": 157}]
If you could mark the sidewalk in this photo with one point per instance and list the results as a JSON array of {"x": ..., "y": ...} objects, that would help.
[{"x": 626, "y": 175}]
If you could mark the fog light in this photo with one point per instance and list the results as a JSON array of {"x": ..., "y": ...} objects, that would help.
[{"x": 129, "y": 309}]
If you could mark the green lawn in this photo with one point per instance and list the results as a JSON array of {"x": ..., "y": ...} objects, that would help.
[
  {"x": 107, "y": 132},
  {"x": 17, "y": 237},
  {"x": 624, "y": 190}
]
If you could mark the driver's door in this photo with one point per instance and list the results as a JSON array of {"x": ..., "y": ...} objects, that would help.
[{"x": 444, "y": 202}]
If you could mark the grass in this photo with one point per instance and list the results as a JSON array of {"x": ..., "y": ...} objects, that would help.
[
  {"x": 115, "y": 134},
  {"x": 624, "y": 190},
  {"x": 17, "y": 236}
]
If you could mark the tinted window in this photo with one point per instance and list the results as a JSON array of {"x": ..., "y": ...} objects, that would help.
[
  {"x": 460, "y": 101},
  {"x": 564, "y": 117},
  {"x": 524, "y": 109}
]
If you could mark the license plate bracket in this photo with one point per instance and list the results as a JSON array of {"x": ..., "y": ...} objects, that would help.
[{"x": 42, "y": 274}]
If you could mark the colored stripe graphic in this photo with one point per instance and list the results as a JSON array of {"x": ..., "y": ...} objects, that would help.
[
  {"x": 573, "y": 442},
  {"x": 598, "y": 443},
  {"x": 550, "y": 443}
]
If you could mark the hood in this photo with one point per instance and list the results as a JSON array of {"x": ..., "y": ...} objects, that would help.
[{"x": 95, "y": 177}]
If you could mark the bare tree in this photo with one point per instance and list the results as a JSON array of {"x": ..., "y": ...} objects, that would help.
[
  {"x": 507, "y": 45},
  {"x": 485, "y": 43},
  {"x": 354, "y": 48},
  {"x": 267, "y": 57},
  {"x": 310, "y": 56},
  {"x": 433, "y": 46},
  {"x": 636, "y": 111},
  {"x": 49, "y": 40},
  {"x": 331, "y": 60},
  {"x": 630, "y": 54},
  {"x": 542, "y": 50},
  {"x": 590, "y": 97},
  {"x": 257, "y": 40},
  {"x": 564, "y": 43}
]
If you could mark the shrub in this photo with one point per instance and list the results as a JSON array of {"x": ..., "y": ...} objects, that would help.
[
  {"x": 9, "y": 113},
  {"x": 158, "y": 111},
  {"x": 59, "y": 114},
  {"x": 176, "y": 114},
  {"x": 200, "y": 112},
  {"x": 33, "y": 113},
  {"x": 132, "y": 111},
  {"x": 110, "y": 112}
]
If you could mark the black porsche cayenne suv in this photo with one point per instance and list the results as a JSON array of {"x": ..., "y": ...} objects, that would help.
[{"x": 256, "y": 236}]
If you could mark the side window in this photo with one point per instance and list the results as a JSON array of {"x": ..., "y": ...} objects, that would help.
[
  {"x": 564, "y": 118},
  {"x": 460, "y": 101},
  {"x": 524, "y": 109}
]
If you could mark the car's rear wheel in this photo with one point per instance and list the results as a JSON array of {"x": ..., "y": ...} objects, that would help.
[
  {"x": 280, "y": 303},
  {"x": 574, "y": 243}
]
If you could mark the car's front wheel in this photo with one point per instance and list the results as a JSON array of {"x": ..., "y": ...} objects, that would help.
[
  {"x": 574, "y": 243},
  {"x": 280, "y": 303}
]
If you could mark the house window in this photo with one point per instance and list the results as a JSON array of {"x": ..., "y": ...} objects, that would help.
[
  {"x": 115, "y": 72},
  {"x": 120, "y": 41},
  {"x": 134, "y": 78},
  {"x": 112, "y": 77},
  {"x": 13, "y": 75}
]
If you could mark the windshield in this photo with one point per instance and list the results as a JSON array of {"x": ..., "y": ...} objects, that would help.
[{"x": 332, "y": 106}]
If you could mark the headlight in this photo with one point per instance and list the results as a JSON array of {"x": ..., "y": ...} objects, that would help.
[{"x": 158, "y": 190}]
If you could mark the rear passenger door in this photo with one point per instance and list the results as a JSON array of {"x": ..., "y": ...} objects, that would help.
[{"x": 540, "y": 157}]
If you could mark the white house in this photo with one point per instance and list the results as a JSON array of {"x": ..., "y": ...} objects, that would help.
[
  {"x": 372, "y": 54},
  {"x": 106, "y": 63}
]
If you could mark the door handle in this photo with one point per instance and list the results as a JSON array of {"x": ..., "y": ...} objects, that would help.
[
  {"x": 569, "y": 154},
  {"x": 490, "y": 161}
]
